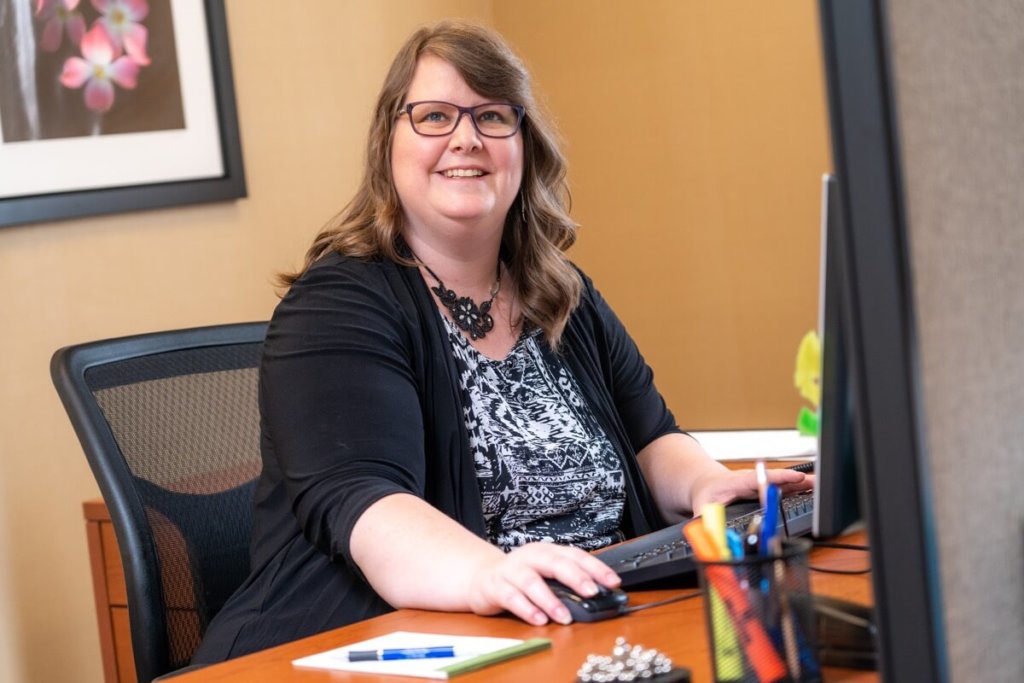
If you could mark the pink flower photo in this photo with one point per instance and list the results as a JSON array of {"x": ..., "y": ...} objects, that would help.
[
  {"x": 98, "y": 70},
  {"x": 115, "y": 105},
  {"x": 76, "y": 68}
]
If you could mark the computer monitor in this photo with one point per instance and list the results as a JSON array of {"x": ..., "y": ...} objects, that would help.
[
  {"x": 836, "y": 494},
  {"x": 891, "y": 455}
]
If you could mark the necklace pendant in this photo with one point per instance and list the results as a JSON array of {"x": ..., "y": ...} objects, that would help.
[
  {"x": 468, "y": 317},
  {"x": 485, "y": 324}
]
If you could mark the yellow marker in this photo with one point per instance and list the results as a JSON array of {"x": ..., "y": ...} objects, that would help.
[
  {"x": 727, "y": 652},
  {"x": 728, "y": 655},
  {"x": 714, "y": 523}
]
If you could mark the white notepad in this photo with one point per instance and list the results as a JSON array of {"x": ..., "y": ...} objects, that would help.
[{"x": 485, "y": 651}]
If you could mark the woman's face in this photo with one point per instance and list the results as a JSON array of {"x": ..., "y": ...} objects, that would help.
[{"x": 459, "y": 185}]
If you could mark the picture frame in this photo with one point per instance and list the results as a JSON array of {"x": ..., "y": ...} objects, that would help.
[{"x": 70, "y": 174}]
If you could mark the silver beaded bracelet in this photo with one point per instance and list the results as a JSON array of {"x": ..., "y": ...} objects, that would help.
[{"x": 626, "y": 663}]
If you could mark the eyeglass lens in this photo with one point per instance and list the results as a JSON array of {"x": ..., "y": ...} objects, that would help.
[{"x": 440, "y": 118}]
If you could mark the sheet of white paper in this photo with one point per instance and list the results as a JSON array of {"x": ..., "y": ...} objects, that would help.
[{"x": 751, "y": 444}]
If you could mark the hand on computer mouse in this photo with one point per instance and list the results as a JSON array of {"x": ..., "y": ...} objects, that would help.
[
  {"x": 606, "y": 604},
  {"x": 515, "y": 581}
]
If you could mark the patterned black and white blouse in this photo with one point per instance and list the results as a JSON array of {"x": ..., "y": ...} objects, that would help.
[{"x": 546, "y": 469}]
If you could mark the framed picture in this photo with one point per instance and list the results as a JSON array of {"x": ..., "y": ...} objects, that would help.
[{"x": 114, "y": 105}]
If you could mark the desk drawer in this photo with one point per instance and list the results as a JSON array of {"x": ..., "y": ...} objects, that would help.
[{"x": 110, "y": 595}]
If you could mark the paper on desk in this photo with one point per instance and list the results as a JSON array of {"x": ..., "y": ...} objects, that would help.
[
  {"x": 486, "y": 651},
  {"x": 752, "y": 444}
]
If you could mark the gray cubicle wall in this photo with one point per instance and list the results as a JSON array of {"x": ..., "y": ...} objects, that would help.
[{"x": 958, "y": 72}]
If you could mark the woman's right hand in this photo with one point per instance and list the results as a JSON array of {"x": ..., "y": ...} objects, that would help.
[
  {"x": 515, "y": 582},
  {"x": 433, "y": 562}
]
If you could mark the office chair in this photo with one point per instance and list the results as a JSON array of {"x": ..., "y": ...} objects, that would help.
[{"x": 170, "y": 426}]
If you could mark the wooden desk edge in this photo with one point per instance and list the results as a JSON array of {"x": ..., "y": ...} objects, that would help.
[{"x": 570, "y": 644}]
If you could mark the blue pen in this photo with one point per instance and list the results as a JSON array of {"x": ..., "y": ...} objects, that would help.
[
  {"x": 735, "y": 543},
  {"x": 771, "y": 519},
  {"x": 387, "y": 654}
]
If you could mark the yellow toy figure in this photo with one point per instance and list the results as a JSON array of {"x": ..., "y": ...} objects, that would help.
[{"x": 807, "y": 379}]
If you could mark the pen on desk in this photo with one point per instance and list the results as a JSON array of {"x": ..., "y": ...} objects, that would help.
[{"x": 389, "y": 654}]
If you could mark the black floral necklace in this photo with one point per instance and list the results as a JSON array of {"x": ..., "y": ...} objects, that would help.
[{"x": 468, "y": 317}]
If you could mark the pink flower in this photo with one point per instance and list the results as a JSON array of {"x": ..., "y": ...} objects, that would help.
[
  {"x": 59, "y": 15},
  {"x": 99, "y": 70},
  {"x": 121, "y": 19}
]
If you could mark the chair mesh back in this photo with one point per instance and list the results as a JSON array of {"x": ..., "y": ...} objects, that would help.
[{"x": 187, "y": 424}]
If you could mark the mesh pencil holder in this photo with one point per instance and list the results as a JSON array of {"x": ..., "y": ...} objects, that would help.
[{"x": 759, "y": 617}]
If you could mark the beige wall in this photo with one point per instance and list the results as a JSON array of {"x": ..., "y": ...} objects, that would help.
[
  {"x": 697, "y": 137},
  {"x": 699, "y": 202}
]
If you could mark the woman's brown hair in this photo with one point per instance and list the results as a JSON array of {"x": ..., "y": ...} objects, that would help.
[{"x": 537, "y": 228}]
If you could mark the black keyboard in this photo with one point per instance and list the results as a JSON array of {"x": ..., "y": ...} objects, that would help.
[{"x": 666, "y": 554}]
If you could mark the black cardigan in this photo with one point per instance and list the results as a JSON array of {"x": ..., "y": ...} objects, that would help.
[{"x": 359, "y": 399}]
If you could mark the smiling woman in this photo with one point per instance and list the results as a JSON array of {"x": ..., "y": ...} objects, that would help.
[{"x": 492, "y": 444}]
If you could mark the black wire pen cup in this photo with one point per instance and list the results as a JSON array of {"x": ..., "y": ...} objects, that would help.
[{"x": 759, "y": 617}]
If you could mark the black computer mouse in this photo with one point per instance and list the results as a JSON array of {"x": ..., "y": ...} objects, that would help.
[{"x": 608, "y": 603}]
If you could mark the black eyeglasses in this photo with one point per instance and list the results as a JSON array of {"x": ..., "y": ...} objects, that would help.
[{"x": 491, "y": 119}]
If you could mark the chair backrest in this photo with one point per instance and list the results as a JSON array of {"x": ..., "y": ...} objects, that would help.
[{"x": 170, "y": 425}]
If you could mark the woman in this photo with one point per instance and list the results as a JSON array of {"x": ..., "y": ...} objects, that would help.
[{"x": 451, "y": 413}]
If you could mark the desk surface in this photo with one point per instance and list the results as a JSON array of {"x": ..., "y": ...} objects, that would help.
[{"x": 676, "y": 629}]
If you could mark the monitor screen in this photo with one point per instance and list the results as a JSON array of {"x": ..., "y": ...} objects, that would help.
[{"x": 836, "y": 496}]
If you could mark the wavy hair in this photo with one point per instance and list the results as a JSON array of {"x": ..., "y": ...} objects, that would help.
[{"x": 537, "y": 229}]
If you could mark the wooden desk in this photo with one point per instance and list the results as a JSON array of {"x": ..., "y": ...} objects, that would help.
[{"x": 677, "y": 629}]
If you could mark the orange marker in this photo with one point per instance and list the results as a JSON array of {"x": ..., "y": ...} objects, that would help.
[{"x": 761, "y": 653}]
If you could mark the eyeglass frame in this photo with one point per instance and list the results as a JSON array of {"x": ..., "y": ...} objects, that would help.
[{"x": 519, "y": 109}]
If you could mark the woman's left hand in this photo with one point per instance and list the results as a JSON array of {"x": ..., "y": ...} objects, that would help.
[{"x": 728, "y": 485}]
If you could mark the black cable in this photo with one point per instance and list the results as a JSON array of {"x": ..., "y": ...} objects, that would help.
[
  {"x": 660, "y": 603},
  {"x": 841, "y": 546},
  {"x": 849, "y": 572}
]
